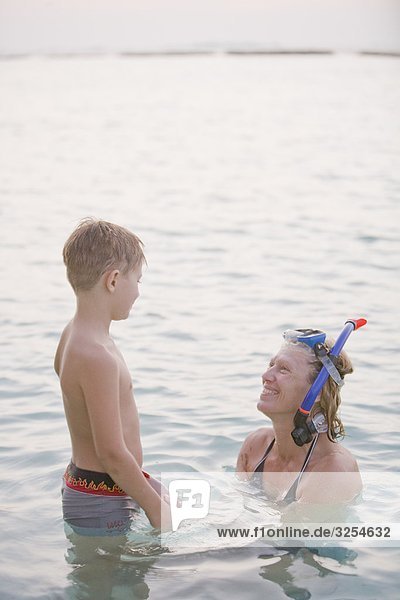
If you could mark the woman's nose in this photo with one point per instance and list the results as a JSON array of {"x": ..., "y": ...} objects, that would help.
[{"x": 268, "y": 375}]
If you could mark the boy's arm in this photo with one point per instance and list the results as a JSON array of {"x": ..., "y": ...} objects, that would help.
[{"x": 99, "y": 378}]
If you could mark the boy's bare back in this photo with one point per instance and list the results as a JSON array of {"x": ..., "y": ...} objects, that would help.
[{"x": 82, "y": 361}]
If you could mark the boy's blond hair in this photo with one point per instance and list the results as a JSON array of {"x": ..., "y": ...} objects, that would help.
[{"x": 96, "y": 247}]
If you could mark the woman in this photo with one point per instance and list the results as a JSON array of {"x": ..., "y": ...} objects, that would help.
[{"x": 321, "y": 471}]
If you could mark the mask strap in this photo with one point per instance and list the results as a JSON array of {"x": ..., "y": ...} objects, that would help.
[{"x": 323, "y": 355}]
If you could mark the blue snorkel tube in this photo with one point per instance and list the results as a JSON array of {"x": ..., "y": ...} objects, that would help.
[{"x": 303, "y": 431}]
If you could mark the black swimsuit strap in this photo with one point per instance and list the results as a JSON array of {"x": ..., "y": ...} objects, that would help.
[
  {"x": 260, "y": 465},
  {"x": 308, "y": 456},
  {"x": 291, "y": 494}
]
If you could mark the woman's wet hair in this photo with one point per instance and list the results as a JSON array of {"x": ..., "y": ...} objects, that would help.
[{"x": 329, "y": 399}]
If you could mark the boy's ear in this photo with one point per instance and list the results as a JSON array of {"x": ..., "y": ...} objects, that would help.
[{"x": 111, "y": 280}]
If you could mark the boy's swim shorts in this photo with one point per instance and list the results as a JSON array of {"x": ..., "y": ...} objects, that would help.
[{"x": 93, "y": 504}]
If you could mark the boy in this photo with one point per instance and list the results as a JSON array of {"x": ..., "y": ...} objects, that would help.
[{"x": 104, "y": 484}]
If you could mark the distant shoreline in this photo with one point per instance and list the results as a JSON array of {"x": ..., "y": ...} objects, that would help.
[
  {"x": 373, "y": 53},
  {"x": 185, "y": 53}
]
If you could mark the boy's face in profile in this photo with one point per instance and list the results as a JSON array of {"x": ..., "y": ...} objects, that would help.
[{"x": 126, "y": 292}]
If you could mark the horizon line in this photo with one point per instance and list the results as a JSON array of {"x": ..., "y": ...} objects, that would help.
[{"x": 194, "y": 52}]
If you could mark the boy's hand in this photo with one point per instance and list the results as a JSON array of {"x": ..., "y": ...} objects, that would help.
[
  {"x": 161, "y": 519},
  {"x": 166, "y": 523},
  {"x": 159, "y": 488}
]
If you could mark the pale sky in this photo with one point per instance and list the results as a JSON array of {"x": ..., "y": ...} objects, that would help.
[{"x": 115, "y": 25}]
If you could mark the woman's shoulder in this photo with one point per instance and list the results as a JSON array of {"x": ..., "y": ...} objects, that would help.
[
  {"x": 259, "y": 437},
  {"x": 254, "y": 447},
  {"x": 332, "y": 477},
  {"x": 334, "y": 457}
]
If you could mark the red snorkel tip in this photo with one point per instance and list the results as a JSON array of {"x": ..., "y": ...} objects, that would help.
[{"x": 357, "y": 323}]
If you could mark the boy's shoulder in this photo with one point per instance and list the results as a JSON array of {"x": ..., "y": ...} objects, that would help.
[{"x": 83, "y": 350}]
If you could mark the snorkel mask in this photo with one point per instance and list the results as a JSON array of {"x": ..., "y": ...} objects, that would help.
[{"x": 305, "y": 428}]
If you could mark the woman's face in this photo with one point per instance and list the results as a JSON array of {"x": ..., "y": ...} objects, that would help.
[{"x": 286, "y": 381}]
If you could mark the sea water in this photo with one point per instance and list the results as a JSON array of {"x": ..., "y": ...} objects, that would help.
[{"x": 266, "y": 191}]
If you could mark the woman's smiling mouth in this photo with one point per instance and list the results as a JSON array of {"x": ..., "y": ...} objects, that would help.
[{"x": 268, "y": 391}]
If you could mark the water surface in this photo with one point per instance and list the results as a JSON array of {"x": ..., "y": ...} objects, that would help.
[{"x": 266, "y": 191}]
